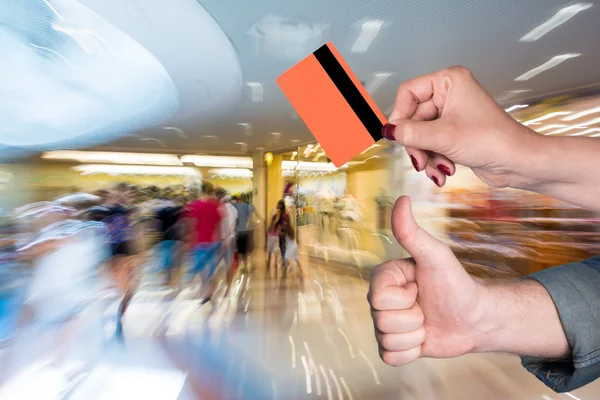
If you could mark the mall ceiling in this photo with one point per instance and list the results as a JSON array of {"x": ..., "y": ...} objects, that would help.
[{"x": 384, "y": 41}]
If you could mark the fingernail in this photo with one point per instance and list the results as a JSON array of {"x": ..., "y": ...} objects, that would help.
[
  {"x": 435, "y": 180},
  {"x": 445, "y": 170},
  {"x": 388, "y": 131},
  {"x": 414, "y": 161}
]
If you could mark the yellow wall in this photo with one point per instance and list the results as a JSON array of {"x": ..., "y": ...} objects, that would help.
[
  {"x": 365, "y": 182},
  {"x": 274, "y": 183}
]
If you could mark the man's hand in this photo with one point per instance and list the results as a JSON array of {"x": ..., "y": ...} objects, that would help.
[
  {"x": 428, "y": 306},
  {"x": 425, "y": 306}
]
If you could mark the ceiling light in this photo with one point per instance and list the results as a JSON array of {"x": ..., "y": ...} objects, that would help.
[
  {"x": 218, "y": 161},
  {"x": 547, "y": 127},
  {"x": 243, "y": 145},
  {"x": 511, "y": 94},
  {"x": 566, "y": 129},
  {"x": 114, "y": 169},
  {"x": 308, "y": 150},
  {"x": 309, "y": 166},
  {"x": 80, "y": 99},
  {"x": 553, "y": 62},
  {"x": 113, "y": 158},
  {"x": 276, "y": 137},
  {"x": 210, "y": 137},
  {"x": 280, "y": 37},
  {"x": 376, "y": 81},
  {"x": 562, "y": 16},
  {"x": 247, "y": 128},
  {"x": 363, "y": 161},
  {"x": 178, "y": 131},
  {"x": 582, "y": 114},
  {"x": 368, "y": 33},
  {"x": 231, "y": 172},
  {"x": 157, "y": 141},
  {"x": 373, "y": 146},
  {"x": 295, "y": 140},
  {"x": 257, "y": 91},
  {"x": 318, "y": 156},
  {"x": 583, "y": 133},
  {"x": 516, "y": 107},
  {"x": 547, "y": 116}
]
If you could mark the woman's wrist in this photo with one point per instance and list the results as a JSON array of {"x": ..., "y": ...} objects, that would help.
[{"x": 536, "y": 161}]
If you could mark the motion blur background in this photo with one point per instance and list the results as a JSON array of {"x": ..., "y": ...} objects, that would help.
[{"x": 162, "y": 95}]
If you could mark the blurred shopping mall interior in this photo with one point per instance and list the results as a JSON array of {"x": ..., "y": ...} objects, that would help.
[{"x": 150, "y": 100}]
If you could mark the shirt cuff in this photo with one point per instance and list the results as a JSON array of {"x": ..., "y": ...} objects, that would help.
[{"x": 575, "y": 290}]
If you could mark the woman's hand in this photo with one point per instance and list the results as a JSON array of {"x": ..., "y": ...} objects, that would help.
[{"x": 447, "y": 117}]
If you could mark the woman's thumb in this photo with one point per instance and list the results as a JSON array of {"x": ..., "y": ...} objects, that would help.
[{"x": 423, "y": 135}]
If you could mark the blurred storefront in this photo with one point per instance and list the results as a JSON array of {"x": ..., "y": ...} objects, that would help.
[
  {"x": 40, "y": 180},
  {"x": 342, "y": 214}
]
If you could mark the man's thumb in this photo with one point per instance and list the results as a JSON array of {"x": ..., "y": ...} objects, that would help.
[{"x": 417, "y": 242}]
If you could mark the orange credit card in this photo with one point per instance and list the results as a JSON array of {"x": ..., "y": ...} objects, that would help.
[{"x": 333, "y": 104}]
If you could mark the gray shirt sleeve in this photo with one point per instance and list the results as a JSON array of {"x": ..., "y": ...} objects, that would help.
[{"x": 575, "y": 290}]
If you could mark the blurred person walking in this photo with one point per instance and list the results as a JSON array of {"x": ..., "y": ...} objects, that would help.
[
  {"x": 244, "y": 229},
  {"x": 66, "y": 255},
  {"x": 124, "y": 263},
  {"x": 203, "y": 224},
  {"x": 276, "y": 235},
  {"x": 230, "y": 215},
  {"x": 168, "y": 215},
  {"x": 292, "y": 252}
]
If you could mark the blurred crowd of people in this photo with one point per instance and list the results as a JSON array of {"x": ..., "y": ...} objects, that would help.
[{"x": 70, "y": 250}]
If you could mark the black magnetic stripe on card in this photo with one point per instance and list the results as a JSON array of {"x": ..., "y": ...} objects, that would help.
[{"x": 349, "y": 91}]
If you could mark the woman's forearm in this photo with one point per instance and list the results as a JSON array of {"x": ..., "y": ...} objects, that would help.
[
  {"x": 565, "y": 168},
  {"x": 521, "y": 318}
]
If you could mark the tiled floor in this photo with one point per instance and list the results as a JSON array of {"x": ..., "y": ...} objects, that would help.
[{"x": 267, "y": 338}]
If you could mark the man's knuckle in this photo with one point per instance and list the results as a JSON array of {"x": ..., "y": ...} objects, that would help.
[
  {"x": 377, "y": 300},
  {"x": 460, "y": 70},
  {"x": 387, "y": 341},
  {"x": 383, "y": 323}
]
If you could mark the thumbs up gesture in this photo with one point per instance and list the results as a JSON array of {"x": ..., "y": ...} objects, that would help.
[{"x": 427, "y": 305}]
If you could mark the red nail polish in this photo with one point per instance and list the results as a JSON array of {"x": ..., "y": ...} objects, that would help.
[
  {"x": 388, "y": 131},
  {"x": 414, "y": 161},
  {"x": 443, "y": 169},
  {"x": 435, "y": 180}
]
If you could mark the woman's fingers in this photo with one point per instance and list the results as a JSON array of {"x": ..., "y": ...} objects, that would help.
[
  {"x": 436, "y": 176},
  {"x": 436, "y": 166},
  {"x": 418, "y": 158},
  {"x": 441, "y": 163}
]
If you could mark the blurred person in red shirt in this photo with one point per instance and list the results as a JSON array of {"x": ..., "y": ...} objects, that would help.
[{"x": 203, "y": 219}]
